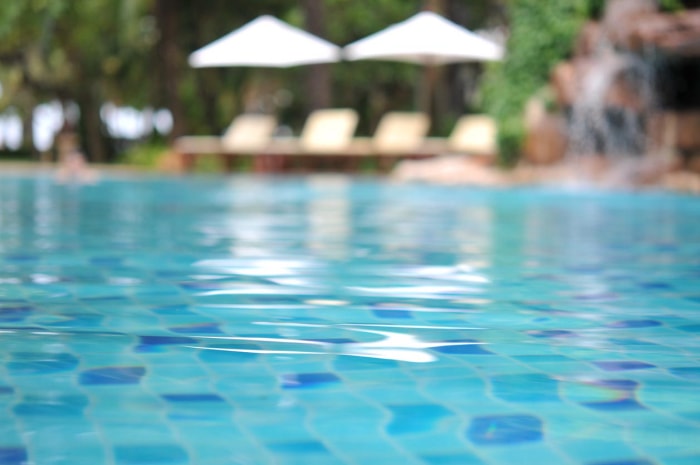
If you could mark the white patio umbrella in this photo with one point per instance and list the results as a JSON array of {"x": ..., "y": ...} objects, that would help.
[
  {"x": 266, "y": 42},
  {"x": 426, "y": 39}
]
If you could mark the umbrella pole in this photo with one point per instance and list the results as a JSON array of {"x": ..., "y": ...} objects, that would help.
[{"x": 428, "y": 89}]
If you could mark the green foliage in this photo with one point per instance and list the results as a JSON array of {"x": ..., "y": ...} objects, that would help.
[
  {"x": 144, "y": 155},
  {"x": 541, "y": 34}
]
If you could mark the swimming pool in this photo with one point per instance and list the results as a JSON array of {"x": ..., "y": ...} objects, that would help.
[{"x": 323, "y": 320}]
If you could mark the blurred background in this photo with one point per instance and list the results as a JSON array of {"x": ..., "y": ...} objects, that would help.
[{"x": 116, "y": 71}]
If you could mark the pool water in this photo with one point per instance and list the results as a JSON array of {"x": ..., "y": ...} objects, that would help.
[{"x": 324, "y": 320}]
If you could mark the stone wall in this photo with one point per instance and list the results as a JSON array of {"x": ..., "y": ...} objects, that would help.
[{"x": 643, "y": 66}]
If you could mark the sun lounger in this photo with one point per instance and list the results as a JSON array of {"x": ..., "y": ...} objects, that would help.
[
  {"x": 248, "y": 134},
  {"x": 326, "y": 134},
  {"x": 472, "y": 135}
]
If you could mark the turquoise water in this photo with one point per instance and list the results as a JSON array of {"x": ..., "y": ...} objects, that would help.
[{"x": 327, "y": 321}]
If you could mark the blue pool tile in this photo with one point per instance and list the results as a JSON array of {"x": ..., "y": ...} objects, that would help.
[
  {"x": 229, "y": 353},
  {"x": 655, "y": 285},
  {"x": 334, "y": 340},
  {"x": 624, "y": 462},
  {"x": 298, "y": 447},
  {"x": 108, "y": 262},
  {"x": 187, "y": 398},
  {"x": 6, "y": 390},
  {"x": 60, "y": 407},
  {"x": 197, "y": 328},
  {"x": 529, "y": 387},
  {"x": 308, "y": 380},
  {"x": 167, "y": 310},
  {"x": 21, "y": 258},
  {"x": 150, "y": 454},
  {"x": 41, "y": 363},
  {"x": 392, "y": 314},
  {"x": 13, "y": 456},
  {"x": 690, "y": 328},
  {"x": 166, "y": 340},
  {"x": 634, "y": 324},
  {"x": 157, "y": 343},
  {"x": 112, "y": 375},
  {"x": 616, "y": 405},
  {"x": 691, "y": 373},
  {"x": 470, "y": 347},
  {"x": 363, "y": 363},
  {"x": 504, "y": 429},
  {"x": 415, "y": 418},
  {"x": 540, "y": 359},
  {"x": 623, "y": 365},
  {"x": 551, "y": 333},
  {"x": 451, "y": 459},
  {"x": 14, "y": 314}
]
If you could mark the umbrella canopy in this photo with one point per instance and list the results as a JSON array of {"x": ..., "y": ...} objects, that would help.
[
  {"x": 266, "y": 42},
  {"x": 427, "y": 39}
]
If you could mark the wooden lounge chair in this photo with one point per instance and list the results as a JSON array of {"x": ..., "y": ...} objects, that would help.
[
  {"x": 398, "y": 135},
  {"x": 326, "y": 134},
  {"x": 248, "y": 134},
  {"x": 473, "y": 135}
]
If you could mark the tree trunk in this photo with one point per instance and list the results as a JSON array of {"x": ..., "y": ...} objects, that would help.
[
  {"x": 93, "y": 141},
  {"x": 27, "y": 116},
  {"x": 170, "y": 63},
  {"x": 318, "y": 77}
]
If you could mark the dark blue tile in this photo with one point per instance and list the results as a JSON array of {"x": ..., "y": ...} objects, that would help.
[
  {"x": 298, "y": 447},
  {"x": 197, "y": 328},
  {"x": 415, "y": 418},
  {"x": 13, "y": 314},
  {"x": 617, "y": 405},
  {"x": 623, "y": 365},
  {"x": 150, "y": 454},
  {"x": 528, "y": 388},
  {"x": 655, "y": 285},
  {"x": 690, "y": 328},
  {"x": 634, "y": 324},
  {"x": 692, "y": 373},
  {"x": 470, "y": 347},
  {"x": 504, "y": 429},
  {"x": 6, "y": 390},
  {"x": 392, "y": 314},
  {"x": 156, "y": 343},
  {"x": 186, "y": 398},
  {"x": 166, "y": 340},
  {"x": 40, "y": 363},
  {"x": 58, "y": 407},
  {"x": 622, "y": 385},
  {"x": 112, "y": 375},
  {"x": 308, "y": 380},
  {"x": 13, "y": 456}
]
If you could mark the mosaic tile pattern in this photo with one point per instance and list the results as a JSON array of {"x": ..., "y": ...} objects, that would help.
[{"x": 326, "y": 321}]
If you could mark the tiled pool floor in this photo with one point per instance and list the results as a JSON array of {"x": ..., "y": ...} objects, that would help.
[{"x": 327, "y": 321}]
